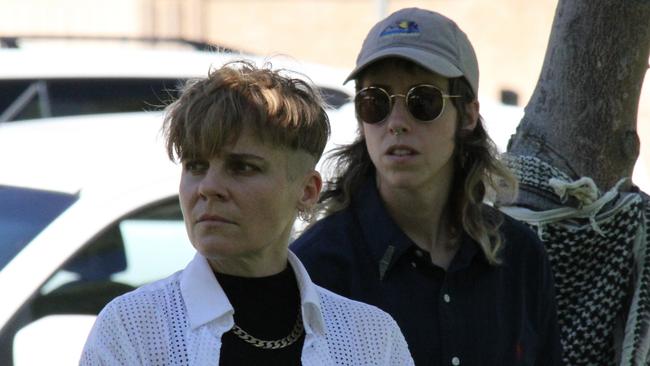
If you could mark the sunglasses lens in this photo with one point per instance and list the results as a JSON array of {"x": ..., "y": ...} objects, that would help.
[
  {"x": 425, "y": 102},
  {"x": 372, "y": 105}
]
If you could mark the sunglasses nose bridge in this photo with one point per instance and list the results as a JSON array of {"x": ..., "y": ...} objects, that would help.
[
  {"x": 397, "y": 115},
  {"x": 392, "y": 97}
]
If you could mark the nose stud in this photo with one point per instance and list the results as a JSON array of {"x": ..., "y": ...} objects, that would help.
[{"x": 398, "y": 131}]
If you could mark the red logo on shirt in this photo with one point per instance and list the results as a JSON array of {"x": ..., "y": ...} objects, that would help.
[{"x": 519, "y": 352}]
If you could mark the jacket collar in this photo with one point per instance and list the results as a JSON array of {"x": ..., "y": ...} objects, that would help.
[
  {"x": 206, "y": 301},
  {"x": 204, "y": 298}
]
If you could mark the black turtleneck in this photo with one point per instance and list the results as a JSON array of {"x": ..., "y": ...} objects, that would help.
[{"x": 266, "y": 308}]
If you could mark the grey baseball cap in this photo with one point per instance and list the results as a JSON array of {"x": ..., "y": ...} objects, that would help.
[{"x": 427, "y": 38}]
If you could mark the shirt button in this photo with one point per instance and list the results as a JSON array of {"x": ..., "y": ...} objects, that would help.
[
  {"x": 455, "y": 361},
  {"x": 413, "y": 264},
  {"x": 447, "y": 299},
  {"x": 419, "y": 253}
]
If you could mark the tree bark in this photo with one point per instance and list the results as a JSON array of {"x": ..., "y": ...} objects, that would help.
[{"x": 582, "y": 115}]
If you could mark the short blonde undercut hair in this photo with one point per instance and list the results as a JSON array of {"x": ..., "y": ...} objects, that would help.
[{"x": 278, "y": 109}]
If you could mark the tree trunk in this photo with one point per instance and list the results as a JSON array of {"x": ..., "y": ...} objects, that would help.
[
  {"x": 582, "y": 115},
  {"x": 581, "y": 122}
]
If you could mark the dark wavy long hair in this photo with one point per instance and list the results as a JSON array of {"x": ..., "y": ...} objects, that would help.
[{"x": 477, "y": 173}]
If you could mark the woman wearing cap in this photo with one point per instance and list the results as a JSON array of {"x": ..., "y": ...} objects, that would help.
[
  {"x": 405, "y": 227},
  {"x": 248, "y": 140}
]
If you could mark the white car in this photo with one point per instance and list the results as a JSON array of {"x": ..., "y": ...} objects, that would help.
[{"x": 46, "y": 78}]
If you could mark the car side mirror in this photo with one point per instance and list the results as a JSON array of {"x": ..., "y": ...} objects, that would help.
[{"x": 52, "y": 340}]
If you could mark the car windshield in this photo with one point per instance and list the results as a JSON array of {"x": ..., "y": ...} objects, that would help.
[{"x": 24, "y": 213}]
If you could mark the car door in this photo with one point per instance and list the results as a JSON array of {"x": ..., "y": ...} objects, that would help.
[{"x": 147, "y": 245}]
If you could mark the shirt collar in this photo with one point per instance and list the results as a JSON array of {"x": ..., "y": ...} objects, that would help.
[
  {"x": 384, "y": 238},
  {"x": 206, "y": 301},
  {"x": 204, "y": 298},
  {"x": 312, "y": 314},
  {"x": 386, "y": 241}
]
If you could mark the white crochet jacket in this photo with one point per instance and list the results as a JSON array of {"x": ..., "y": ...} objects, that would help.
[{"x": 180, "y": 320}]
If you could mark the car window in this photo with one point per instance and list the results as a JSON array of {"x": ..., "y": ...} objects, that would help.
[
  {"x": 33, "y": 99},
  {"x": 24, "y": 213},
  {"x": 25, "y": 99},
  {"x": 142, "y": 247},
  {"x": 334, "y": 98}
]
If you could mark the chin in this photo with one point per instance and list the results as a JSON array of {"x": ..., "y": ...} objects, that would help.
[
  {"x": 401, "y": 180},
  {"x": 211, "y": 248}
]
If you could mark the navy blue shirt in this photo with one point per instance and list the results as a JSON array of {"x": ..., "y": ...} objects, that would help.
[{"x": 473, "y": 313}]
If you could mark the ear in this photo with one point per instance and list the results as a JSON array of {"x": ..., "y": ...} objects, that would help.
[
  {"x": 311, "y": 187},
  {"x": 472, "y": 111}
]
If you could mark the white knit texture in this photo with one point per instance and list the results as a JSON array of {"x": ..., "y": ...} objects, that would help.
[{"x": 180, "y": 320}]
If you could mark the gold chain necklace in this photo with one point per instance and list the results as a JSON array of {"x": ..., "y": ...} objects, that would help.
[{"x": 277, "y": 344}]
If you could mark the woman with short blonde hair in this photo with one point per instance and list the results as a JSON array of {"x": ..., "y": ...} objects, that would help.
[{"x": 248, "y": 139}]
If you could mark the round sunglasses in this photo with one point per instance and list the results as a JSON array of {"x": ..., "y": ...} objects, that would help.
[{"x": 424, "y": 102}]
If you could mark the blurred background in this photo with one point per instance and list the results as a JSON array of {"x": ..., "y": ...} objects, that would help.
[{"x": 510, "y": 36}]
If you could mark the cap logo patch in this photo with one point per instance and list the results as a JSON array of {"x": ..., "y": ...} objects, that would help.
[{"x": 404, "y": 27}]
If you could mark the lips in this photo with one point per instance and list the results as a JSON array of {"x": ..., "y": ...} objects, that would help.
[
  {"x": 401, "y": 150},
  {"x": 213, "y": 218}
]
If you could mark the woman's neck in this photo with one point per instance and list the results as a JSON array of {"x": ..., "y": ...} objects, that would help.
[
  {"x": 423, "y": 214},
  {"x": 267, "y": 261}
]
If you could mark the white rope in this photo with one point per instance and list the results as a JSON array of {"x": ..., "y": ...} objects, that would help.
[
  {"x": 583, "y": 189},
  {"x": 588, "y": 211}
]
